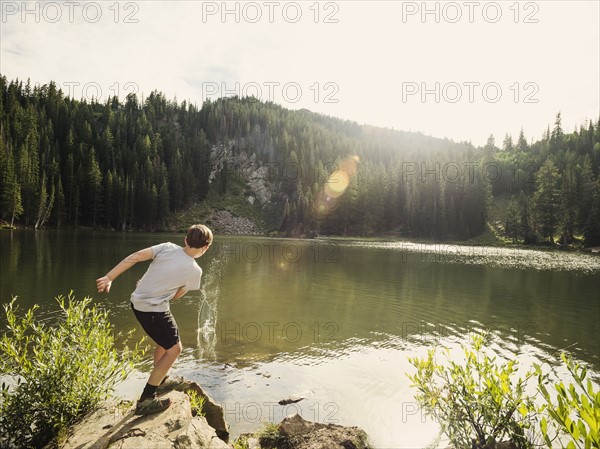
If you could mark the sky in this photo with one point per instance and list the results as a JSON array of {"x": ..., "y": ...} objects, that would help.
[{"x": 461, "y": 70}]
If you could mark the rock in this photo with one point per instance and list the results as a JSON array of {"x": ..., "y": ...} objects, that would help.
[
  {"x": 301, "y": 434},
  {"x": 291, "y": 400},
  {"x": 293, "y": 426},
  {"x": 213, "y": 412},
  {"x": 295, "y": 397},
  {"x": 112, "y": 426}
]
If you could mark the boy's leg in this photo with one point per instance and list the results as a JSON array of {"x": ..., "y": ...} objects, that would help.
[
  {"x": 162, "y": 328},
  {"x": 164, "y": 364},
  {"x": 159, "y": 351}
]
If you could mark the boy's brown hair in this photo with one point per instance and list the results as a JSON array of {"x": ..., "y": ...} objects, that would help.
[{"x": 198, "y": 236}]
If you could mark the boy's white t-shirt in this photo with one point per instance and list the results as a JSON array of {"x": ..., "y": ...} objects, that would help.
[{"x": 170, "y": 269}]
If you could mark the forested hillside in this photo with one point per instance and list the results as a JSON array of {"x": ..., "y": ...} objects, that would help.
[{"x": 131, "y": 164}]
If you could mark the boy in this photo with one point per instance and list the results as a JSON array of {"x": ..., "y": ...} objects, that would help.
[{"x": 171, "y": 274}]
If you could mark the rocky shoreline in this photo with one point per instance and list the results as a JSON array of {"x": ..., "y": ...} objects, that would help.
[
  {"x": 224, "y": 222},
  {"x": 113, "y": 425}
]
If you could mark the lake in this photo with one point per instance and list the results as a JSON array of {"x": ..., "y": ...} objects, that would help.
[{"x": 334, "y": 320}]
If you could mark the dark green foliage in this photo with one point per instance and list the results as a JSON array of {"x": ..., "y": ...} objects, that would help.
[
  {"x": 591, "y": 231},
  {"x": 547, "y": 200},
  {"x": 511, "y": 220},
  {"x": 554, "y": 181},
  {"x": 131, "y": 165}
]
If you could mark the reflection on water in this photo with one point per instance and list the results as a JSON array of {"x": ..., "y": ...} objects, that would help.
[
  {"x": 333, "y": 321},
  {"x": 491, "y": 255}
]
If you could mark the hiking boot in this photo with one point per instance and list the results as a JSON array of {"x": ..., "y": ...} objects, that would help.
[
  {"x": 170, "y": 384},
  {"x": 152, "y": 405}
]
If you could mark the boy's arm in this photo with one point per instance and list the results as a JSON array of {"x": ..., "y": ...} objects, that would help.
[
  {"x": 105, "y": 282},
  {"x": 179, "y": 293}
]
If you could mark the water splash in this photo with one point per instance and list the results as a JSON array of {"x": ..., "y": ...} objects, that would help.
[{"x": 206, "y": 333}]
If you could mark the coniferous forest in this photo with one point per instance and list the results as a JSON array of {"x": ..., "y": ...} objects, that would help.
[{"x": 132, "y": 164}]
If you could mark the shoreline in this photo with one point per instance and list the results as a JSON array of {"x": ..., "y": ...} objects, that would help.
[{"x": 380, "y": 238}]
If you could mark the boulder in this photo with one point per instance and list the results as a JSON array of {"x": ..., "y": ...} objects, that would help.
[
  {"x": 301, "y": 434},
  {"x": 114, "y": 426},
  {"x": 213, "y": 412}
]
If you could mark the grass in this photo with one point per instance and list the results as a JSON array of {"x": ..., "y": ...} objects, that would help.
[
  {"x": 196, "y": 403},
  {"x": 269, "y": 436},
  {"x": 241, "y": 443}
]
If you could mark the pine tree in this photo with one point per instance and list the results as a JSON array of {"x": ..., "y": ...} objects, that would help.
[
  {"x": 507, "y": 144},
  {"x": 591, "y": 232},
  {"x": 585, "y": 192},
  {"x": 70, "y": 187},
  {"x": 522, "y": 145},
  {"x": 163, "y": 204},
  {"x": 59, "y": 211},
  {"x": 491, "y": 144},
  {"x": 10, "y": 190},
  {"x": 568, "y": 204},
  {"x": 46, "y": 202},
  {"x": 557, "y": 135},
  {"x": 511, "y": 220},
  {"x": 109, "y": 198},
  {"x": 547, "y": 200},
  {"x": 93, "y": 187},
  {"x": 526, "y": 227},
  {"x": 476, "y": 204},
  {"x": 28, "y": 175}
]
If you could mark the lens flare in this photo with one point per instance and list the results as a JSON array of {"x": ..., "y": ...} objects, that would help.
[
  {"x": 350, "y": 165},
  {"x": 335, "y": 186},
  {"x": 337, "y": 183}
]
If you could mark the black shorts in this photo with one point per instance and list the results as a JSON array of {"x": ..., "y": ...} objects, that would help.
[{"x": 160, "y": 327}]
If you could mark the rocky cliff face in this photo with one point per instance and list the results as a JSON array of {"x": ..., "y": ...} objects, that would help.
[{"x": 224, "y": 222}]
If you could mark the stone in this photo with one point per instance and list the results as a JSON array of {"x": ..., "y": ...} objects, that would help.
[
  {"x": 112, "y": 426},
  {"x": 293, "y": 426},
  {"x": 302, "y": 434},
  {"x": 213, "y": 412},
  {"x": 292, "y": 399}
]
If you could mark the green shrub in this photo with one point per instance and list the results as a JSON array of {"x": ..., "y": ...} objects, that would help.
[
  {"x": 477, "y": 402},
  {"x": 61, "y": 371},
  {"x": 576, "y": 412}
]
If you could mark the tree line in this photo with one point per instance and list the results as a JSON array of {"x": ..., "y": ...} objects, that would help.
[
  {"x": 131, "y": 164},
  {"x": 554, "y": 188}
]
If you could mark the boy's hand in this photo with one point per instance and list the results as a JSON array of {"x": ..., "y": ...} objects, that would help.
[{"x": 103, "y": 284}]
